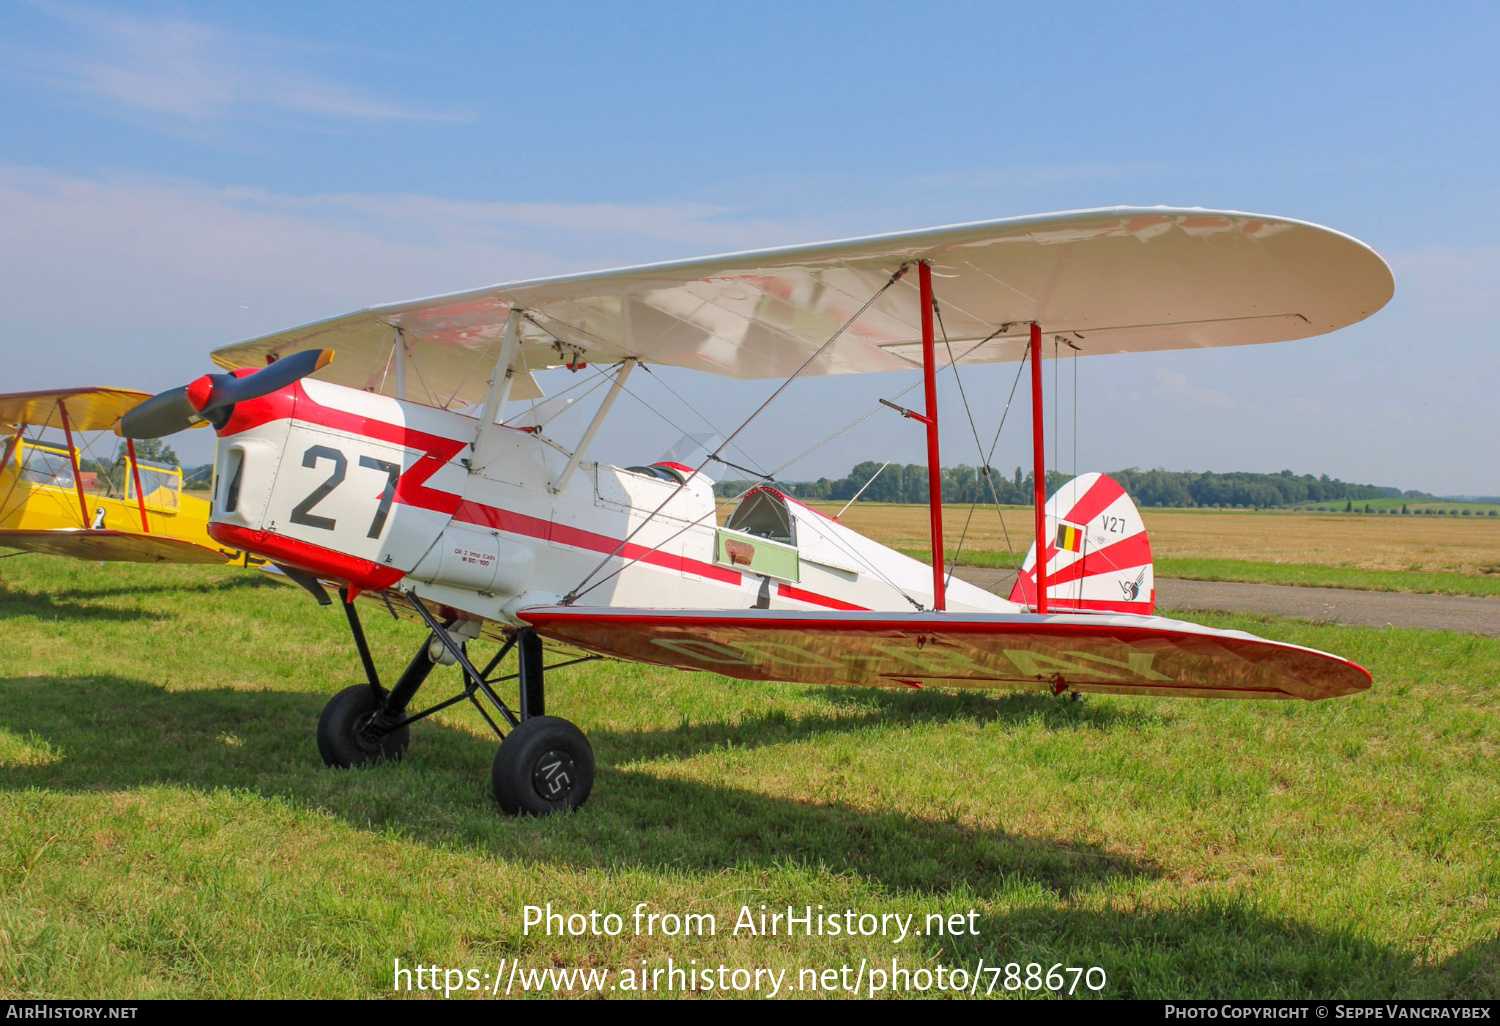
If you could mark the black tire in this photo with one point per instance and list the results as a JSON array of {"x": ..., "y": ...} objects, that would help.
[
  {"x": 340, "y": 740},
  {"x": 545, "y": 765}
]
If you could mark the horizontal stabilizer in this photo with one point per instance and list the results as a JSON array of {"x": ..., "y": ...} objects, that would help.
[{"x": 1104, "y": 653}]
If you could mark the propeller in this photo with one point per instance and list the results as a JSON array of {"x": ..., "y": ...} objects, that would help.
[{"x": 211, "y": 397}]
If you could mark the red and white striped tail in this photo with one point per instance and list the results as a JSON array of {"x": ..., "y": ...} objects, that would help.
[{"x": 1098, "y": 556}]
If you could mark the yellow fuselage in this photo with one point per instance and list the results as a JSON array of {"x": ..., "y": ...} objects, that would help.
[{"x": 33, "y": 499}]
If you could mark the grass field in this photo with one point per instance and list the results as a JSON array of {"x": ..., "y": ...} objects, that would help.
[
  {"x": 1307, "y": 576},
  {"x": 167, "y": 829}
]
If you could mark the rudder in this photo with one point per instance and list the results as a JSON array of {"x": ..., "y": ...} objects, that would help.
[{"x": 1098, "y": 555}]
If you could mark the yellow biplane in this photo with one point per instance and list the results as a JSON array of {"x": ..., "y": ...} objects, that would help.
[{"x": 54, "y": 499}]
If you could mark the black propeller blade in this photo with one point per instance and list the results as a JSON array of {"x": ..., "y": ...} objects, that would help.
[
  {"x": 211, "y": 396},
  {"x": 165, "y": 413}
]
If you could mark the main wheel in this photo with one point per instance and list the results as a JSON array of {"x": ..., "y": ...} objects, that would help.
[
  {"x": 545, "y": 765},
  {"x": 341, "y": 735}
]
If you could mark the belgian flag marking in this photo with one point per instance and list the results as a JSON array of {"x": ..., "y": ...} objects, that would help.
[{"x": 1069, "y": 538}]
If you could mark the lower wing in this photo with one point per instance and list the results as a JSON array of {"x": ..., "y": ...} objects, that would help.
[
  {"x": 1109, "y": 654},
  {"x": 113, "y": 546}
]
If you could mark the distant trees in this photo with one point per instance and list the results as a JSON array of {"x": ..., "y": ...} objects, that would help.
[
  {"x": 962, "y": 483},
  {"x": 908, "y": 483},
  {"x": 152, "y": 450}
]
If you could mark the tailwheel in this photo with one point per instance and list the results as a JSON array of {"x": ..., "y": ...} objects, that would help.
[
  {"x": 350, "y": 732},
  {"x": 544, "y": 765}
]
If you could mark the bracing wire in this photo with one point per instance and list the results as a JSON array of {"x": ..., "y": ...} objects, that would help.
[
  {"x": 413, "y": 364},
  {"x": 696, "y": 412},
  {"x": 1056, "y": 416},
  {"x": 994, "y": 443},
  {"x": 676, "y": 426},
  {"x": 868, "y": 414},
  {"x": 1079, "y": 600},
  {"x": 984, "y": 469},
  {"x": 470, "y": 370},
  {"x": 862, "y": 488},
  {"x": 390, "y": 359},
  {"x": 978, "y": 446},
  {"x": 30, "y": 450},
  {"x": 579, "y": 590}
]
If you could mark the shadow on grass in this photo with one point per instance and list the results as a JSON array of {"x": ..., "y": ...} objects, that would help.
[
  {"x": 865, "y": 708},
  {"x": 43, "y": 606},
  {"x": 934, "y": 705},
  {"x": 75, "y": 604},
  {"x": 107, "y": 733},
  {"x": 228, "y": 583},
  {"x": 1223, "y": 950}
]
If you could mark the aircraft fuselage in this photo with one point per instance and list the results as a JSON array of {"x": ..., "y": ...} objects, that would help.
[{"x": 377, "y": 492}]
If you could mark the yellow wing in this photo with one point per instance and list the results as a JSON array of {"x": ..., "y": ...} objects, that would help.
[
  {"x": 113, "y": 546},
  {"x": 49, "y": 502}
]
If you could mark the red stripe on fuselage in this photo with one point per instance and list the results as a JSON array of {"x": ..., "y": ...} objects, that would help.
[
  {"x": 535, "y": 527},
  {"x": 411, "y": 488},
  {"x": 312, "y": 559},
  {"x": 437, "y": 450},
  {"x": 787, "y": 591}
]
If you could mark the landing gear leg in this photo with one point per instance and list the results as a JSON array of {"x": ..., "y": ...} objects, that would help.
[
  {"x": 365, "y": 723},
  {"x": 533, "y": 688},
  {"x": 545, "y": 764}
]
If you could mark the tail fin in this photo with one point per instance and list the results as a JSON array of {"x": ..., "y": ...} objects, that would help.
[{"x": 1098, "y": 556}]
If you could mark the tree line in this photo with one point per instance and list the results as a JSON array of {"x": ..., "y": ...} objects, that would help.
[{"x": 1175, "y": 488}]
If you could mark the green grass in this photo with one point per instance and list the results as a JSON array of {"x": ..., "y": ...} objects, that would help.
[
  {"x": 166, "y": 828},
  {"x": 971, "y": 557},
  {"x": 1414, "y": 581}
]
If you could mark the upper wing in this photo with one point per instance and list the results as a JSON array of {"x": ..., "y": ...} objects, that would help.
[
  {"x": 1122, "y": 279},
  {"x": 88, "y": 409},
  {"x": 1114, "y": 654},
  {"x": 112, "y": 546}
]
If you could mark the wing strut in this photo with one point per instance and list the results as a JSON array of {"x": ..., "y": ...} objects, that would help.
[
  {"x": 934, "y": 457},
  {"x": 499, "y": 392},
  {"x": 621, "y": 373},
  {"x": 11, "y": 447},
  {"x": 1039, "y": 461},
  {"x": 135, "y": 475},
  {"x": 83, "y": 504}
]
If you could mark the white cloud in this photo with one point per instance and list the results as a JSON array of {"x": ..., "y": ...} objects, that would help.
[
  {"x": 193, "y": 73},
  {"x": 700, "y": 226},
  {"x": 131, "y": 281},
  {"x": 99, "y": 271},
  {"x": 1173, "y": 387},
  {"x": 1450, "y": 284}
]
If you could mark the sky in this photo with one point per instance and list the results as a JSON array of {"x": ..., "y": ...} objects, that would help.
[{"x": 178, "y": 176}]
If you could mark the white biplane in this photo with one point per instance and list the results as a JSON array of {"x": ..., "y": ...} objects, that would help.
[{"x": 392, "y": 472}]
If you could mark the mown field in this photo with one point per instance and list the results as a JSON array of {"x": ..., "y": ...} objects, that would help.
[
  {"x": 1443, "y": 555},
  {"x": 167, "y": 829}
]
